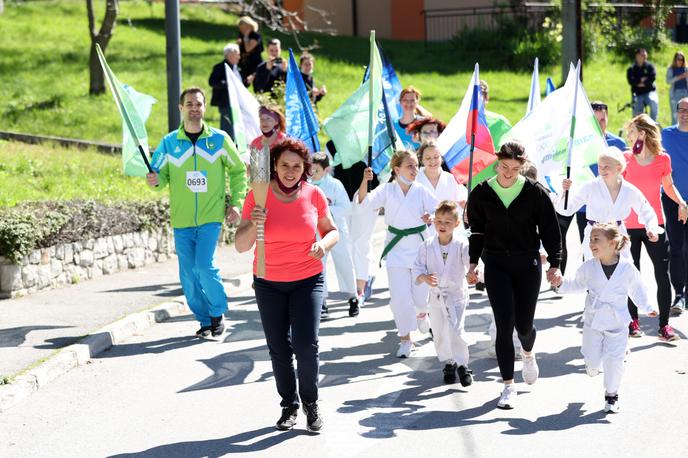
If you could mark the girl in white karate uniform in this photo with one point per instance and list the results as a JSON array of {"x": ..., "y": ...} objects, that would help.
[
  {"x": 407, "y": 207},
  {"x": 609, "y": 280},
  {"x": 442, "y": 263},
  {"x": 609, "y": 199},
  {"x": 340, "y": 206}
]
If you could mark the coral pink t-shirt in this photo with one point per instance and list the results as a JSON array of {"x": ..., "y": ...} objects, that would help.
[
  {"x": 647, "y": 178},
  {"x": 257, "y": 143},
  {"x": 290, "y": 233}
]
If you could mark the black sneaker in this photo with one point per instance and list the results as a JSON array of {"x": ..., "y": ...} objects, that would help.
[
  {"x": 217, "y": 327},
  {"x": 480, "y": 286},
  {"x": 314, "y": 422},
  {"x": 449, "y": 373},
  {"x": 611, "y": 403},
  {"x": 288, "y": 418},
  {"x": 465, "y": 376},
  {"x": 204, "y": 331},
  {"x": 324, "y": 311},
  {"x": 353, "y": 307}
]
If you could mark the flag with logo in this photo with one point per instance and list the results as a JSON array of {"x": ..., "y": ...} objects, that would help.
[
  {"x": 563, "y": 126},
  {"x": 134, "y": 108},
  {"x": 467, "y": 136},
  {"x": 301, "y": 120}
]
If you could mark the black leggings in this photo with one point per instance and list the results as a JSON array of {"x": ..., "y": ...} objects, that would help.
[
  {"x": 513, "y": 285},
  {"x": 659, "y": 254},
  {"x": 564, "y": 223}
]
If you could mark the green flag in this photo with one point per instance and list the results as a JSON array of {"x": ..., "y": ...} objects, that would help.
[
  {"x": 349, "y": 126},
  {"x": 134, "y": 108}
]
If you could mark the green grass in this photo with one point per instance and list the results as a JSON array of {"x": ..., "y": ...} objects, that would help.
[
  {"x": 44, "y": 68},
  {"x": 39, "y": 172}
]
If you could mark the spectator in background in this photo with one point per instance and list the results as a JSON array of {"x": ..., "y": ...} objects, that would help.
[
  {"x": 272, "y": 70},
  {"x": 425, "y": 129},
  {"x": 218, "y": 82},
  {"x": 306, "y": 63},
  {"x": 641, "y": 76},
  {"x": 675, "y": 141},
  {"x": 251, "y": 46},
  {"x": 272, "y": 127},
  {"x": 677, "y": 76}
]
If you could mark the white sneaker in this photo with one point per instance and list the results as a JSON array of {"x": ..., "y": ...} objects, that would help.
[
  {"x": 423, "y": 324},
  {"x": 591, "y": 371},
  {"x": 405, "y": 349},
  {"x": 530, "y": 369},
  {"x": 508, "y": 398},
  {"x": 518, "y": 353}
]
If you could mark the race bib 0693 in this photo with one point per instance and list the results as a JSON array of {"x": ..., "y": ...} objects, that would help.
[{"x": 197, "y": 181}]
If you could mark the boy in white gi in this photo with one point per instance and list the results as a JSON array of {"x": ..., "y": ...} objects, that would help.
[
  {"x": 442, "y": 263},
  {"x": 407, "y": 215},
  {"x": 340, "y": 206},
  {"x": 609, "y": 280}
]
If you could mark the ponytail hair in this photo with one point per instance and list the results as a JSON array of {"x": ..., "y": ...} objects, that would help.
[
  {"x": 398, "y": 158},
  {"x": 612, "y": 232}
]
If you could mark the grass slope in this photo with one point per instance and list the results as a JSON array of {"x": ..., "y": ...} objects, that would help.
[
  {"x": 44, "y": 68},
  {"x": 39, "y": 172}
]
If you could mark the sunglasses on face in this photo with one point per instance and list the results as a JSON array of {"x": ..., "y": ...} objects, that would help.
[{"x": 598, "y": 107}]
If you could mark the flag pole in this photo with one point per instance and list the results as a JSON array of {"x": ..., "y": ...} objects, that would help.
[
  {"x": 474, "y": 123},
  {"x": 370, "y": 101},
  {"x": 123, "y": 111},
  {"x": 572, "y": 131}
]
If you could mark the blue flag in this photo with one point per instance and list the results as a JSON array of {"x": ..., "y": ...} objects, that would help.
[
  {"x": 301, "y": 120},
  {"x": 550, "y": 87},
  {"x": 385, "y": 139}
]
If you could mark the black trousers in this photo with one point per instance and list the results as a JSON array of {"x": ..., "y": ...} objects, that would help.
[
  {"x": 677, "y": 233},
  {"x": 564, "y": 223},
  {"x": 513, "y": 286},
  {"x": 659, "y": 255},
  {"x": 290, "y": 314}
]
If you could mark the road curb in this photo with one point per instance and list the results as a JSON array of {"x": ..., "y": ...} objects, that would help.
[{"x": 85, "y": 349}]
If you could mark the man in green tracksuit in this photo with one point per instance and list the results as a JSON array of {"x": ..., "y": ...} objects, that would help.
[{"x": 195, "y": 161}]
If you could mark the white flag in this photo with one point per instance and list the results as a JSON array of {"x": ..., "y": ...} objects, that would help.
[{"x": 244, "y": 108}]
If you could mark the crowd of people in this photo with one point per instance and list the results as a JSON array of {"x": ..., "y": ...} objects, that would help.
[{"x": 440, "y": 240}]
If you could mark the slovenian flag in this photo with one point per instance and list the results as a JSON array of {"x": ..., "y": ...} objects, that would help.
[{"x": 468, "y": 127}]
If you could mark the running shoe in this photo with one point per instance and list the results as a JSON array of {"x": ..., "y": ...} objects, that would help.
[
  {"x": 591, "y": 371},
  {"x": 679, "y": 305},
  {"x": 314, "y": 421},
  {"x": 368, "y": 289},
  {"x": 480, "y": 286},
  {"x": 324, "y": 311},
  {"x": 667, "y": 334},
  {"x": 465, "y": 376},
  {"x": 288, "y": 418},
  {"x": 530, "y": 370},
  {"x": 634, "y": 329},
  {"x": 449, "y": 373},
  {"x": 203, "y": 331},
  {"x": 353, "y": 307},
  {"x": 217, "y": 327},
  {"x": 611, "y": 403},
  {"x": 508, "y": 398},
  {"x": 405, "y": 349}
]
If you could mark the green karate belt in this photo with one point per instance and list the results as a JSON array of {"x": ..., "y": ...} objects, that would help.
[{"x": 400, "y": 234}]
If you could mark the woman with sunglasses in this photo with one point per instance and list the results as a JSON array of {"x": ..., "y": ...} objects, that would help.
[{"x": 677, "y": 77}]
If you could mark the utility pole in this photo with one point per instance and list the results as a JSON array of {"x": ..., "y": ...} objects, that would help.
[
  {"x": 174, "y": 62},
  {"x": 572, "y": 43}
]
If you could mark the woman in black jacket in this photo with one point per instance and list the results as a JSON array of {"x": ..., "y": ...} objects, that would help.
[{"x": 509, "y": 215}]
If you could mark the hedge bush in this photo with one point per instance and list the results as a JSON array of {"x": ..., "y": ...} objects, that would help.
[{"x": 32, "y": 225}]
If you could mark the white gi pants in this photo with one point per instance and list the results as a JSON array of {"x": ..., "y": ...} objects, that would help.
[
  {"x": 406, "y": 298},
  {"x": 606, "y": 349},
  {"x": 448, "y": 338},
  {"x": 361, "y": 229}
]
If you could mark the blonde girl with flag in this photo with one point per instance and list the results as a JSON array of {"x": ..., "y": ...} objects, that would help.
[{"x": 408, "y": 206}]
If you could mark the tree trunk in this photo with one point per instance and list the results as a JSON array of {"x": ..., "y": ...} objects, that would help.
[{"x": 102, "y": 37}]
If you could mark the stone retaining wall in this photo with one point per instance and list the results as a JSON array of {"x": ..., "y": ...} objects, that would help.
[{"x": 69, "y": 263}]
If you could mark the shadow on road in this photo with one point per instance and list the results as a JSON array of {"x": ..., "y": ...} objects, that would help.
[
  {"x": 219, "y": 447},
  {"x": 13, "y": 337},
  {"x": 154, "y": 347},
  {"x": 164, "y": 289}
]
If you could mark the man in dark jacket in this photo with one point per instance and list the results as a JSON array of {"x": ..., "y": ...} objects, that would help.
[
  {"x": 218, "y": 81},
  {"x": 272, "y": 70},
  {"x": 641, "y": 76}
]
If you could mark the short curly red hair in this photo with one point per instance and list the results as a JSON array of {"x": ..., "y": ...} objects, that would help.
[
  {"x": 294, "y": 146},
  {"x": 418, "y": 124}
]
